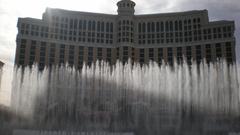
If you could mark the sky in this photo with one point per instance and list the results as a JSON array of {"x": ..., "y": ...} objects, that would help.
[{"x": 10, "y": 10}]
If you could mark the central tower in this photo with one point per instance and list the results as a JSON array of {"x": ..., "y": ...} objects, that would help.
[
  {"x": 125, "y": 30},
  {"x": 126, "y": 7}
]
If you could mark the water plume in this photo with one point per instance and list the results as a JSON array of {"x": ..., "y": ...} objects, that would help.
[{"x": 143, "y": 99}]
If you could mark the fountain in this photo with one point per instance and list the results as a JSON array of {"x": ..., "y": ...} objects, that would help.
[{"x": 126, "y": 99}]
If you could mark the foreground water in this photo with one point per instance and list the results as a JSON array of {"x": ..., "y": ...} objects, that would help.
[{"x": 144, "y": 100}]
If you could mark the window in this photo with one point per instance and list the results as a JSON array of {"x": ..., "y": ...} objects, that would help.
[
  {"x": 75, "y": 23},
  {"x": 93, "y": 25},
  {"x": 198, "y": 54},
  {"x": 151, "y": 54},
  {"x": 80, "y": 56},
  {"x": 209, "y": 34},
  {"x": 229, "y": 52},
  {"x": 90, "y": 55},
  {"x": 107, "y": 27},
  {"x": 139, "y": 27},
  {"x": 109, "y": 55},
  {"x": 219, "y": 30},
  {"x": 117, "y": 53},
  {"x": 167, "y": 26},
  {"x": 141, "y": 56},
  {"x": 133, "y": 54},
  {"x": 80, "y": 25},
  {"x": 148, "y": 27},
  {"x": 171, "y": 26},
  {"x": 179, "y": 55},
  {"x": 71, "y": 23},
  {"x": 162, "y": 27},
  {"x": 99, "y": 53},
  {"x": 98, "y": 26},
  {"x": 51, "y": 56},
  {"x": 111, "y": 27},
  {"x": 22, "y": 52},
  {"x": 176, "y": 25},
  {"x": 189, "y": 54},
  {"x": 125, "y": 54},
  {"x": 61, "y": 54},
  {"x": 71, "y": 55},
  {"x": 143, "y": 27},
  {"x": 89, "y": 25},
  {"x": 42, "y": 55},
  {"x": 208, "y": 53},
  {"x": 160, "y": 55},
  {"x": 218, "y": 50},
  {"x": 180, "y": 25},
  {"x": 158, "y": 27},
  {"x": 84, "y": 24},
  {"x": 102, "y": 27},
  {"x": 153, "y": 27},
  {"x": 170, "y": 56}
]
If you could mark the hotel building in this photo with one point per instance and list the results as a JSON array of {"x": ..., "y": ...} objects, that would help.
[{"x": 74, "y": 37}]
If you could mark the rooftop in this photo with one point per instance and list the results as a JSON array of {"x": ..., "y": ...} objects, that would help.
[{"x": 66, "y": 12}]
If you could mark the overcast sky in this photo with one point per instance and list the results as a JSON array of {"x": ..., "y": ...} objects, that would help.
[{"x": 10, "y": 10}]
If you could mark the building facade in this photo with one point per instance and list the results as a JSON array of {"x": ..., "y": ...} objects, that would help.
[{"x": 73, "y": 37}]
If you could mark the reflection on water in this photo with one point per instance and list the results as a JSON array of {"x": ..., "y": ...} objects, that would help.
[{"x": 138, "y": 99}]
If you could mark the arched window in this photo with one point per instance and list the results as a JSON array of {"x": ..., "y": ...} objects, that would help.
[
  {"x": 93, "y": 25},
  {"x": 107, "y": 27},
  {"x": 139, "y": 27},
  {"x": 143, "y": 27},
  {"x": 89, "y": 25}
]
